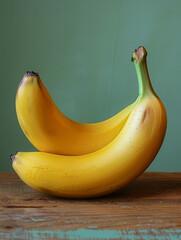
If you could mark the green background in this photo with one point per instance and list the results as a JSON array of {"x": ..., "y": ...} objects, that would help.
[{"x": 82, "y": 50}]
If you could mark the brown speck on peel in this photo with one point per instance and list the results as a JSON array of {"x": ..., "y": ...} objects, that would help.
[
  {"x": 26, "y": 133},
  {"x": 145, "y": 114}
]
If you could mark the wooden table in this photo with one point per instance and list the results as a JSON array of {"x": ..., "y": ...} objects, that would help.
[{"x": 148, "y": 208}]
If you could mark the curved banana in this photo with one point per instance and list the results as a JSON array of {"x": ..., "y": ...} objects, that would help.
[
  {"x": 49, "y": 130},
  {"x": 111, "y": 167}
]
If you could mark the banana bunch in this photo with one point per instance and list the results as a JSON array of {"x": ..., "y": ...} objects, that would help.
[{"x": 78, "y": 160}]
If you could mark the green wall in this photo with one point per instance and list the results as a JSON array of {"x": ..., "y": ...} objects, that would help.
[{"x": 82, "y": 50}]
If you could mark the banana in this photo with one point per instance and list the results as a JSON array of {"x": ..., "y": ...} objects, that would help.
[
  {"x": 49, "y": 130},
  {"x": 111, "y": 167}
]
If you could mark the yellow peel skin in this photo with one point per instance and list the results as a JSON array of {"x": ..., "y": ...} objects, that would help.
[
  {"x": 111, "y": 167},
  {"x": 49, "y": 130}
]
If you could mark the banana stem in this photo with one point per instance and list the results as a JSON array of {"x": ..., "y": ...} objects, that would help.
[{"x": 144, "y": 83}]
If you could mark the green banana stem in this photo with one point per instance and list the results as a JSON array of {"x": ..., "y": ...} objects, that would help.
[{"x": 144, "y": 83}]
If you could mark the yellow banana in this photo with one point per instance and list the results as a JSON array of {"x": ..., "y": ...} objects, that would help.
[
  {"x": 114, "y": 165},
  {"x": 49, "y": 130}
]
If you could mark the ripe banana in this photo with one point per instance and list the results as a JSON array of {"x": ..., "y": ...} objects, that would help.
[
  {"x": 111, "y": 167},
  {"x": 49, "y": 130}
]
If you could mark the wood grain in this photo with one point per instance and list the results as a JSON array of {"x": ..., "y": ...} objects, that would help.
[{"x": 148, "y": 208}]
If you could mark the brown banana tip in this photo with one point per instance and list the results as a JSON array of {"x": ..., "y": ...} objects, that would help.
[
  {"x": 12, "y": 157},
  {"x": 32, "y": 73},
  {"x": 28, "y": 74}
]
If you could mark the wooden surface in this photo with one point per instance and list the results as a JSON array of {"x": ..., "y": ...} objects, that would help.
[{"x": 148, "y": 208}]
